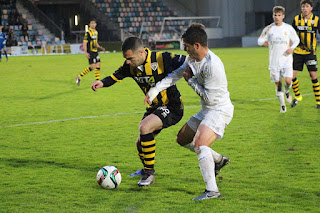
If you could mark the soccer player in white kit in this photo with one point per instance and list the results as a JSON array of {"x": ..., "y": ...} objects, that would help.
[
  {"x": 205, "y": 73},
  {"x": 278, "y": 36}
]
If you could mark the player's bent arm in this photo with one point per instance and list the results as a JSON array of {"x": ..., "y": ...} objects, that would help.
[
  {"x": 108, "y": 81},
  {"x": 200, "y": 90}
]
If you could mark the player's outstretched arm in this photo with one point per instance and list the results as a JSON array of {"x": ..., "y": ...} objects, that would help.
[{"x": 96, "y": 85}]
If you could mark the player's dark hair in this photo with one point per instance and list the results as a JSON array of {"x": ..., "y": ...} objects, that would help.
[
  {"x": 306, "y": 2},
  {"x": 132, "y": 43},
  {"x": 93, "y": 19},
  {"x": 196, "y": 34},
  {"x": 279, "y": 9}
]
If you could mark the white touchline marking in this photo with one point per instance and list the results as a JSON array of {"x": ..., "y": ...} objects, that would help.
[{"x": 124, "y": 113}]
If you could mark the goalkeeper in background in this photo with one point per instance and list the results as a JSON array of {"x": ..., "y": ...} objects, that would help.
[{"x": 278, "y": 36}]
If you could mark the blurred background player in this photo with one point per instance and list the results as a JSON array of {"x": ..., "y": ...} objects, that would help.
[
  {"x": 278, "y": 36},
  {"x": 90, "y": 48},
  {"x": 306, "y": 25},
  {"x": 147, "y": 68},
  {"x": 210, "y": 83},
  {"x": 3, "y": 39}
]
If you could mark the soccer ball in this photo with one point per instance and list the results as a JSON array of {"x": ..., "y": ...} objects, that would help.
[{"x": 109, "y": 177}]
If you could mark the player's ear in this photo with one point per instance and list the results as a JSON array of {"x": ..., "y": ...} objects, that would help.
[{"x": 196, "y": 45}]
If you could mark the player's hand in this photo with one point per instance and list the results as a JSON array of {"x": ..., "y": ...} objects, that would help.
[
  {"x": 87, "y": 55},
  {"x": 96, "y": 85},
  {"x": 102, "y": 48},
  {"x": 289, "y": 51},
  {"x": 146, "y": 100},
  {"x": 266, "y": 43},
  {"x": 187, "y": 74},
  {"x": 153, "y": 92}
]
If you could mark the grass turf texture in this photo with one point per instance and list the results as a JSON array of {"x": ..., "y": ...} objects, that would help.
[{"x": 52, "y": 166}]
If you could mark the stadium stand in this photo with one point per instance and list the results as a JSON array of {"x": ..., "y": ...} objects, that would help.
[
  {"x": 23, "y": 28},
  {"x": 132, "y": 15}
]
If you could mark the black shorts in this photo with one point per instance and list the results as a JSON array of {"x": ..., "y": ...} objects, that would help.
[
  {"x": 169, "y": 115},
  {"x": 94, "y": 57},
  {"x": 310, "y": 60}
]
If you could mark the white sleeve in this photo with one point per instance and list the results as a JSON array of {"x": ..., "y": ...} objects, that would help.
[
  {"x": 264, "y": 35},
  {"x": 294, "y": 38},
  {"x": 168, "y": 81},
  {"x": 172, "y": 78},
  {"x": 200, "y": 90}
]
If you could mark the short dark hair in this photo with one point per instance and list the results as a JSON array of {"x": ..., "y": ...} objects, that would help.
[
  {"x": 196, "y": 33},
  {"x": 93, "y": 19},
  {"x": 279, "y": 9},
  {"x": 132, "y": 43},
  {"x": 306, "y": 2}
]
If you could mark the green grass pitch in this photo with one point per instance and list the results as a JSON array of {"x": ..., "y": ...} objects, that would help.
[{"x": 54, "y": 137}]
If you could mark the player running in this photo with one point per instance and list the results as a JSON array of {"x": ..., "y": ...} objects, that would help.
[
  {"x": 278, "y": 36},
  {"x": 90, "y": 48},
  {"x": 147, "y": 68}
]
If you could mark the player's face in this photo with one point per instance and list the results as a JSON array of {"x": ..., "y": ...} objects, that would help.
[
  {"x": 93, "y": 24},
  {"x": 134, "y": 58},
  {"x": 190, "y": 49},
  {"x": 306, "y": 9},
  {"x": 278, "y": 18}
]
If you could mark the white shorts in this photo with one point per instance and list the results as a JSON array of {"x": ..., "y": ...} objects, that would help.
[
  {"x": 277, "y": 74},
  {"x": 216, "y": 120}
]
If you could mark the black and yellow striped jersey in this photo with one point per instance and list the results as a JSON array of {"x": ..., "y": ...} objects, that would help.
[
  {"x": 91, "y": 36},
  {"x": 156, "y": 67},
  {"x": 306, "y": 30}
]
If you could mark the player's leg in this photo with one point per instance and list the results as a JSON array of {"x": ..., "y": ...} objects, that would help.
[
  {"x": 97, "y": 68},
  {"x": 211, "y": 129},
  {"x": 203, "y": 139},
  {"x": 147, "y": 126},
  {"x": 280, "y": 96},
  {"x": 298, "y": 62},
  {"x": 316, "y": 87},
  {"x": 5, "y": 52},
  {"x": 287, "y": 74},
  {"x": 275, "y": 76},
  {"x": 0, "y": 53},
  {"x": 86, "y": 70}
]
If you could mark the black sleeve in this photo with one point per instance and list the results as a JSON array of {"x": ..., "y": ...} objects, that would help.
[
  {"x": 117, "y": 76},
  {"x": 172, "y": 61}
]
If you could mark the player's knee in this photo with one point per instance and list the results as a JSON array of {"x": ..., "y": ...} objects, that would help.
[{"x": 144, "y": 129}]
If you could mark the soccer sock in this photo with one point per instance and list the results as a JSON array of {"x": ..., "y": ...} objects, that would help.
[
  {"x": 295, "y": 87},
  {"x": 207, "y": 165},
  {"x": 86, "y": 71},
  {"x": 0, "y": 55},
  {"x": 280, "y": 96},
  {"x": 97, "y": 73},
  {"x": 140, "y": 153},
  {"x": 216, "y": 156},
  {"x": 316, "y": 90},
  {"x": 149, "y": 150},
  {"x": 287, "y": 87},
  {"x": 5, "y": 53}
]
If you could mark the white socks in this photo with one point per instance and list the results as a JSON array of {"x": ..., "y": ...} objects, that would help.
[
  {"x": 287, "y": 87},
  {"x": 207, "y": 166},
  {"x": 280, "y": 96}
]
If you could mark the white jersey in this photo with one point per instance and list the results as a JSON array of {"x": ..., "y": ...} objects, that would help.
[
  {"x": 279, "y": 42},
  {"x": 209, "y": 82}
]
